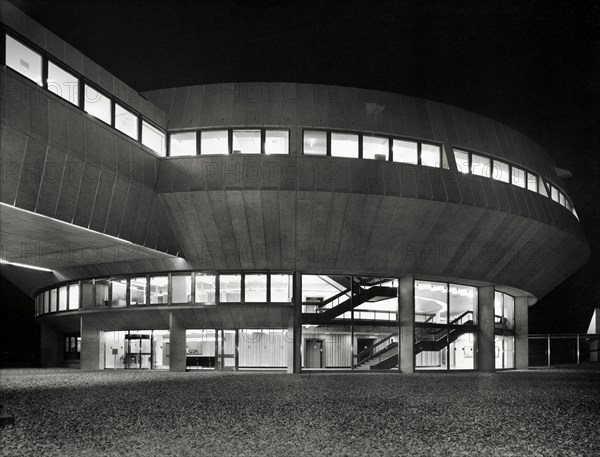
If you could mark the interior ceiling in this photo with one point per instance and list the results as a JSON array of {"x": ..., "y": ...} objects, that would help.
[{"x": 533, "y": 65}]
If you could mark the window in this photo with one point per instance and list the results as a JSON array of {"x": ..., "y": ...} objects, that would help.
[
  {"x": 431, "y": 155},
  {"x": 509, "y": 311},
  {"x": 102, "y": 286},
  {"x": 23, "y": 60},
  {"x": 375, "y": 147},
  {"x": 214, "y": 142},
  {"x": 126, "y": 122},
  {"x": 182, "y": 144},
  {"x": 47, "y": 301},
  {"x": 230, "y": 288},
  {"x": 532, "y": 182},
  {"x": 96, "y": 104},
  {"x": 462, "y": 161},
  {"x": 87, "y": 293},
  {"x": 154, "y": 139},
  {"x": 315, "y": 142},
  {"x": 181, "y": 289},
  {"x": 62, "y": 298},
  {"x": 255, "y": 287},
  {"x": 561, "y": 198},
  {"x": 554, "y": 193},
  {"x": 431, "y": 302},
  {"x": 159, "y": 290},
  {"x": 63, "y": 84},
  {"x": 137, "y": 291},
  {"x": 281, "y": 288},
  {"x": 463, "y": 304},
  {"x": 344, "y": 145},
  {"x": 53, "y": 295},
  {"x": 119, "y": 292},
  {"x": 405, "y": 151},
  {"x": 542, "y": 188},
  {"x": 246, "y": 141},
  {"x": 73, "y": 296},
  {"x": 277, "y": 142},
  {"x": 480, "y": 165},
  {"x": 205, "y": 288},
  {"x": 500, "y": 171},
  {"x": 518, "y": 177}
]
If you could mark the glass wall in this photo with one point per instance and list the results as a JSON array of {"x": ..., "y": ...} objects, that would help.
[
  {"x": 480, "y": 166},
  {"x": 277, "y": 142},
  {"x": 182, "y": 144},
  {"x": 405, "y": 151},
  {"x": 230, "y": 288},
  {"x": 214, "y": 142},
  {"x": 119, "y": 292},
  {"x": 23, "y": 59},
  {"x": 201, "y": 349},
  {"x": 73, "y": 296},
  {"x": 62, "y": 298},
  {"x": 462, "y": 161},
  {"x": 126, "y": 121},
  {"x": 63, "y": 84},
  {"x": 518, "y": 177},
  {"x": 431, "y": 155},
  {"x": 138, "y": 289},
  {"x": 137, "y": 349},
  {"x": 154, "y": 139},
  {"x": 159, "y": 290},
  {"x": 376, "y": 147},
  {"x": 205, "y": 288},
  {"x": 182, "y": 288},
  {"x": 344, "y": 145},
  {"x": 255, "y": 288},
  {"x": 500, "y": 171},
  {"x": 97, "y": 104},
  {"x": 315, "y": 142},
  {"x": 263, "y": 348},
  {"x": 281, "y": 288},
  {"x": 246, "y": 141},
  {"x": 504, "y": 311}
]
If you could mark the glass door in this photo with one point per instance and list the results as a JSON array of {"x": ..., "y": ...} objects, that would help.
[{"x": 138, "y": 351}]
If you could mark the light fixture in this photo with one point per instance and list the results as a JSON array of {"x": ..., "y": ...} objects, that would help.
[{"x": 25, "y": 265}]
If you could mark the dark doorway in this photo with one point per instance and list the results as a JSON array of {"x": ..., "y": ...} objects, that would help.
[
  {"x": 314, "y": 354},
  {"x": 365, "y": 348}
]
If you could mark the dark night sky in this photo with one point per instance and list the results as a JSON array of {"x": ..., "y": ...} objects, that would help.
[{"x": 534, "y": 65}]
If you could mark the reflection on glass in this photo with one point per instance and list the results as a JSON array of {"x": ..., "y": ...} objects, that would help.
[
  {"x": 126, "y": 121},
  {"x": 281, "y": 288},
  {"x": 63, "y": 84},
  {"x": 315, "y": 142},
  {"x": 182, "y": 144},
  {"x": 230, "y": 288},
  {"x": 119, "y": 292},
  {"x": 182, "y": 288},
  {"x": 255, "y": 287},
  {"x": 24, "y": 60},
  {"x": 344, "y": 145},
  {"x": 214, "y": 142},
  {"x": 375, "y": 147},
  {"x": 97, "y": 104},
  {"x": 500, "y": 171},
  {"x": 405, "y": 151},
  {"x": 73, "y": 296},
  {"x": 277, "y": 142},
  {"x": 431, "y": 155},
  {"x": 159, "y": 287},
  {"x": 205, "y": 288},
  {"x": 138, "y": 288},
  {"x": 480, "y": 165},
  {"x": 154, "y": 139},
  {"x": 462, "y": 161},
  {"x": 246, "y": 142}
]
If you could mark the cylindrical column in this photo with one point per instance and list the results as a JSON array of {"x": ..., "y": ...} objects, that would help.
[
  {"x": 406, "y": 324},
  {"x": 92, "y": 345},
  {"x": 521, "y": 333},
  {"x": 177, "y": 352},
  {"x": 50, "y": 347},
  {"x": 294, "y": 359},
  {"x": 486, "y": 351}
]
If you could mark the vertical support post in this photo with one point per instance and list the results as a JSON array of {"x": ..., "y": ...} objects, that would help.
[
  {"x": 521, "y": 333},
  {"x": 177, "y": 346},
  {"x": 294, "y": 356},
  {"x": 486, "y": 345},
  {"x": 548, "y": 350},
  {"x": 237, "y": 349},
  {"x": 352, "y": 345},
  {"x": 50, "y": 347},
  {"x": 578, "y": 349},
  {"x": 406, "y": 324},
  {"x": 92, "y": 345},
  {"x": 222, "y": 350}
]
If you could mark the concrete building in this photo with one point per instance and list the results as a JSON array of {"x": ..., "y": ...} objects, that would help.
[{"x": 268, "y": 225}]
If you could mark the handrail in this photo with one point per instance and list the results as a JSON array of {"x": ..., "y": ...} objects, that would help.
[{"x": 375, "y": 345}]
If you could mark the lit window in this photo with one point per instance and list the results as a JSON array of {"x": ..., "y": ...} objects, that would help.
[
  {"x": 500, "y": 171},
  {"x": 205, "y": 288},
  {"x": 181, "y": 289},
  {"x": 462, "y": 161},
  {"x": 53, "y": 295},
  {"x": 230, "y": 288},
  {"x": 554, "y": 193},
  {"x": 47, "y": 301},
  {"x": 96, "y": 104},
  {"x": 431, "y": 155},
  {"x": 375, "y": 147},
  {"x": 182, "y": 144},
  {"x": 24, "y": 60},
  {"x": 315, "y": 142},
  {"x": 73, "y": 296},
  {"x": 154, "y": 139},
  {"x": 561, "y": 198},
  {"x": 518, "y": 177},
  {"x": 214, "y": 142},
  {"x": 159, "y": 288},
  {"x": 62, "y": 298},
  {"x": 255, "y": 287},
  {"x": 119, "y": 292},
  {"x": 102, "y": 287},
  {"x": 137, "y": 290},
  {"x": 344, "y": 145},
  {"x": 405, "y": 151},
  {"x": 277, "y": 142},
  {"x": 246, "y": 142},
  {"x": 126, "y": 121},
  {"x": 480, "y": 165},
  {"x": 532, "y": 182},
  {"x": 281, "y": 288},
  {"x": 63, "y": 83},
  {"x": 542, "y": 188}
]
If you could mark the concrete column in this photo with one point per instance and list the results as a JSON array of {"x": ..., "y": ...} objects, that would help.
[
  {"x": 294, "y": 337},
  {"x": 51, "y": 347},
  {"x": 92, "y": 345},
  {"x": 406, "y": 324},
  {"x": 594, "y": 328},
  {"x": 521, "y": 333},
  {"x": 486, "y": 350},
  {"x": 177, "y": 352}
]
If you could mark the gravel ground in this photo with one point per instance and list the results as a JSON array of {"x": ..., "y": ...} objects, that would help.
[{"x": 70, "y": 413}]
